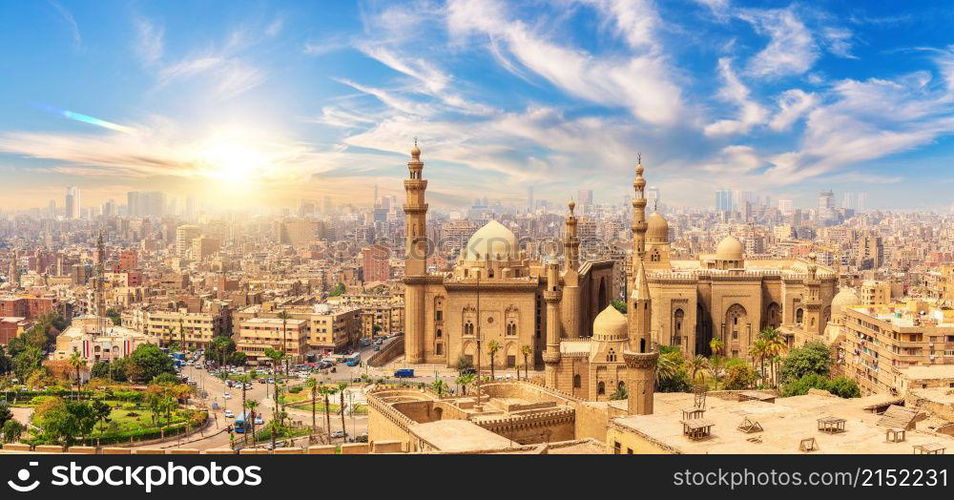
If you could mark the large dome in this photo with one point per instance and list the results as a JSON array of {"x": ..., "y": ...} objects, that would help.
[
  {"x": 494, "y": 240},
  {"x": 657, "y": 229},
  {"x": 729, "y": 249},
  {"x": 610, "y": 325},
  {"x": 846, "y": 297}
]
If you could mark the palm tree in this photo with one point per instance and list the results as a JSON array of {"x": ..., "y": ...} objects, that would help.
[
  {"x": 716, "y": 367},
  {"x": 327, "y": 392},
  {"x": 438, "y": 386},
  {"x": 312, "y": 385},
  {"x": 697, "y": 365},
  {"x": 243, "y": 379},
  {"x": 775, "y": 345},
  {"x": 341, "y": 394},
  {"x": 760, "y": 350},
  {"x": 76, "y": 362},
  {"x": 492, "y": 347},
  {"x": 284, "y": 316},
  {"x": 251, "y": 404},
  {"x": 465, "y": 379},
  {"x": 526, "y": 351},
  {"x": 716, "y": 346},
  {"x": 667, "y": 366}
]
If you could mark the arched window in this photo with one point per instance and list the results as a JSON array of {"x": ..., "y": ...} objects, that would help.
[
  {"x": 576, "y": 381},
  {"x": 439, "y": 333},
  {"x": 677, "y": 319},
  {"x": 601, "y": 388},
  {"x": 611, "y": 356},
  {"x": 799, "y": 316},
  {"x": 735, "y": 318}
]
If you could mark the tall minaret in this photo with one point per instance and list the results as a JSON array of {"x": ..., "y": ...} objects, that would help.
[
  {"x": 13, "y": 276},
  {"x": 641, "y": 357},
  {"x": 571, "y": 243},
  {"x": 415, "y": 259},
  {"x": 99, "y": 302},
  {"x": 572, "y": 297},
  {"x": 551, "y": 357}
]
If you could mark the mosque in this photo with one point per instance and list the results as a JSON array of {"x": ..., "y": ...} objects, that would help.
[{"x": 562, "y": 311}]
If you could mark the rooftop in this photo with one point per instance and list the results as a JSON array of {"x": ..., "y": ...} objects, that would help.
[
  {"x": 459, "y": 436},
  {"x": 785, "y": 423}
]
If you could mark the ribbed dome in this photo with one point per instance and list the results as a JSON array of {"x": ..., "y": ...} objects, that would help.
[
  {"x": 845, "y": 297},
  {"x": 610, "y": 325},
  {"x": 657, "y": 229},
  {"x": 494, "y": 240},
  {"x": 729, "y": 249}
]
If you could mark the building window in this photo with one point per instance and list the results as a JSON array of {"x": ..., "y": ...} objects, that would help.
[
  {"x": 511, "y": 361},
  {"x": 617, "y": 448},
  {"x": 611, "y": 356},
  {"x": 576, "y": 382},
  {"x": 601, "y": 388}
]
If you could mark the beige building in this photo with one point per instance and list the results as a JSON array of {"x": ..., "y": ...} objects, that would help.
[
  {"x": 875, "y": 292},
  {"x": 185, "y": 234},
  {"x": 889, "y": 348},
  {"x": 256, "y": 335},
  {"x": 204, "y": 247},
  {"x": 327, "y": 327},
  {"x": 193, "y": 329}
]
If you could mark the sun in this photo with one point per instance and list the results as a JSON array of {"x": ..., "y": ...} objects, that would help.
[{"x": 233, "y": 162}]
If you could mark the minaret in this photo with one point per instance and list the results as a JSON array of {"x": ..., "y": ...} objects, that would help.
[
  {"x": 415, "y": 259},
  {"x": 641, "y": 357},
  {"x": 571, "y": 243},
  {"x": 552, "y": 295},
  {"x": 570, "y": 304},
  {"x": 13, "y": 276},
  {"x": 98, "y": 298}
]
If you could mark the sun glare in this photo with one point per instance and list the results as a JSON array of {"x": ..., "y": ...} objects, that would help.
[{"x": 233, "y": 162}]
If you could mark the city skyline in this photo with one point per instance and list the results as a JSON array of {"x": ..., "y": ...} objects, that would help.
[{"x": 282, "y": 101}]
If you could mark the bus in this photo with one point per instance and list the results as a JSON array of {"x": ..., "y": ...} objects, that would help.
[
  {"x": 353, "y": 359},
  {"x": 241, "y": 423}
]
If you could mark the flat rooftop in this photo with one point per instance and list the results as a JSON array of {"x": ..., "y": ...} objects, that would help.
[
  {"x": 785, "y": 423},
  {"x": 460, "y": 436},
  {"x": 930, "y": 372}
]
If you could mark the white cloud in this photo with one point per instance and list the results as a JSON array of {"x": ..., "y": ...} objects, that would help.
[
  {"x": 70, "y": 21},
  {"x": 793, "y": 104},
  {"x": 750, "y": 112},
  {"x": 640, "y": 83},
  {"x": 791, "y": 49},
  {"x": 150, "y": 41}
]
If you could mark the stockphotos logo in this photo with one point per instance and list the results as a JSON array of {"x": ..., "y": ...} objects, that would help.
[
  {"x": 146, "y": 477},
  {"x": 23, "y": 476}
]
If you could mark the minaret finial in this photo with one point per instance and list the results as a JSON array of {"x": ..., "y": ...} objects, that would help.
[{"x": 639, "y": 158}]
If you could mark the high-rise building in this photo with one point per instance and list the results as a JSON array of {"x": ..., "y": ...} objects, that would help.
[
  {"x": 72, "y": 205},
  {"x": 375, "y": 263},
  {"x": 785, "y": 207},
  {"x": 723, "y": 200},
  {"x": 184, "y": 236},
  {"x": 145, "y": 203},
  {"x": 826, "y": 205}
]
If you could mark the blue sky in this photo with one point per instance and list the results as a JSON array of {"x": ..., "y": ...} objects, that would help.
[{"x": 245, "y": 102}]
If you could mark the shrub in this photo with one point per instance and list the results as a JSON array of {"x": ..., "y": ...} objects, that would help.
[{"x": 811, "y": 358}]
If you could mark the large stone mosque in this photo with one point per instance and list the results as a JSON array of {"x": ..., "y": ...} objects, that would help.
[{"x": 562, "y": 310}]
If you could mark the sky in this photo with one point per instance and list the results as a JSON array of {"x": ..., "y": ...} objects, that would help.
[{"x": 263, "y": 103}]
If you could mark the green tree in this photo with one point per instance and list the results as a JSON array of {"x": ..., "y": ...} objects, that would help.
[
  {"x": 463, "y": 363},
  {"x": 11, "y": 431},
  {"x": 115, "y": 316},
  {"x": 439, "y": 387},
  {"x": 526, "y": 351},
  {"x": 251, "y": 405},
  {"x": 64, "y": 421},
  {"x": 77, "y": 363},
  {"x": 775, "y": 345},
  {"x": 465, "y": 379},
  {"x": 493, "y": 347},
  {"x": 238, "y": 358},
  {"x": 812, "y": 358},
  {"x": 6, "y": 362},
  {"x": 312, "y": 385},
  {"x": 149, "y": 362},
  {"x": 5, "y": 413},
  {"x": 26, "y": 362},
  {"x": 220, "y": 349},
  {"x": 739, "y": 374},
  {"x": 284, "y": 316},
  {"x": 102, "y": 410},
  {"x": 338, "y": 290},
  {"x": 844, "y": 388},
  {"x": 697, "y": 365},
  {"x": 100, "y": 369},
  {"x": 671, "y": 375},
  {"x": 802, "y": 385},
  {"x": 620, "y": 394},
  {"x": 327, "y": 392}
]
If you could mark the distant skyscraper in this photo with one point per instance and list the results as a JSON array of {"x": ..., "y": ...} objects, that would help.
[
  {"x": 826, "y": 205},
  {"x": 723, "y": 200},
  {"x": 72, "y": 205},
  {"x": 584, "y": 200},
  {"x": 530, "y": 199},
  {"x": 52, "y": 209},
  {"x": 785, "y": 207}
]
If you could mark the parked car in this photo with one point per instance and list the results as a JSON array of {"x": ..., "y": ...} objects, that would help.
[
  {"x": 338, "y": 434},
  {"x": 226, "y": 396},
  {"x": 259, "y": 420},
  {"x": 229, "y": 414},
  {"x": 404, "y": 373}
]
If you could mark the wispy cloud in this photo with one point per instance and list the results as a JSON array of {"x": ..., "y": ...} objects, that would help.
[
  {"x": 67, "y": 16},
  {"x": 791, "y": 49},
  {"x": 150, "y": 41}
]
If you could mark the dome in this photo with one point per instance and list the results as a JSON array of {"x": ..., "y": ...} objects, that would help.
[
  {"x": 845, "y": 297},
  {"x": 729, "y": 248},
  {"x": 610, "y": 325},
  {"x": 657, "y": 229},
  {"x": 494, "y": 240}
]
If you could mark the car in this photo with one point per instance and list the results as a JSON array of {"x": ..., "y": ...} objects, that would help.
[
  {"x": 229, "y": 414},
  {"x": 338, "y": 434},
  {"x": 469, "y": 371},
  {"x": 259, "y": 420},
  {"x": 269, "y": 380},
  {"x": 247, "y": 386},
  {"x": 357, "y": 380},
  {"x": 226, "y": 396}
]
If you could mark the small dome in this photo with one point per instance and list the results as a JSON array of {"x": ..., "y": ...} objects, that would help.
[
  {"x": 415, "y": 151},
  {"x": 494, "y": 240},
  {"x": 846, "y": 297},
  {"x": 657, "y": 229},
  {"x": 729, "y": 248},
  {"x": 610, "y": 325}
]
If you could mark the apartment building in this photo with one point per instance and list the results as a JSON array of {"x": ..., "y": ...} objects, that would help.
[
  {"x": 256, "y": 335},
  {"x": 195, "y": 329},
  {"x": 883, "y": 344}
]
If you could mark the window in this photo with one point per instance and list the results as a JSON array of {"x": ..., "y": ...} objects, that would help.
[
  {"x": 439, "y": 349},
  {"x": 439, "y": 333},
  {"x": 611, "y": 356},
  {"x": 511, "y": 361},
  {"x": 576, "y": 382},
  {"x": 617, "y": 448},
  {"x": 601, "y": 388}
]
